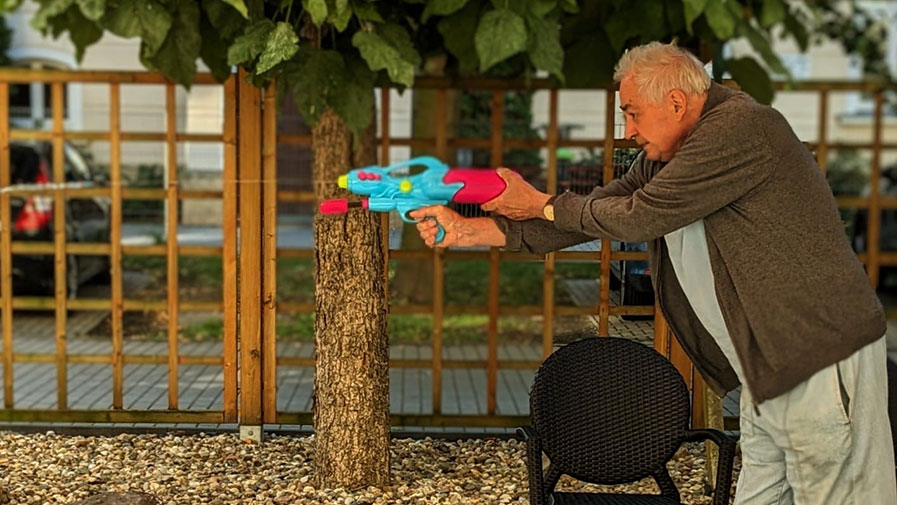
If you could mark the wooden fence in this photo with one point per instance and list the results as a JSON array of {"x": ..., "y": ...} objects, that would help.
[{"x": 249, "y": 200}]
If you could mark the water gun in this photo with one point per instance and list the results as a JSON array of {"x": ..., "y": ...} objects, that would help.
[{"x": 393, "y": 187}]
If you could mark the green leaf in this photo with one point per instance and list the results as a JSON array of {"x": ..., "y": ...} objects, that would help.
[
  {"x": 176, "y": 58},
  {"x": 82, "y": 31},
  {"x": 500, "y": 34},
  {"x": 540, "y": 8},
  {"x": 399, "y": 38},
  {"x": 212, "y": 51},
  {"x": 517, "y": 6},
  {"x": 256, "y": 9},
  {"x": 226, "y": 20},
  {"x": 322, "y": 73},
  {"x": 772, "y": 12},
  {"x": 620, "y": 29},
  {"x": 569, "y": 6},
  {"x": 762, "y": 45},
  {"x": 341, "y": 15},
  {"x": 720, "y": 19},
  {"x": 147, "y": 19},
  {"x": 92, "y": 9},
  {"x": 441, "y": 8},
  {"x": 643, "y": 21},
  {"x": 317, "y": 9},
  {"x": 544, "y": 46},
  {"x": 675, "y": 16},
  {"x": 366, "y": 11},
  {"x": 48, "y": 10},
  {"x": 145, "y": 58},
  {"x": 240, "y": 6},
  {"x": 282, "y": 44},
  {"x": 752, "y": 79},
  {"x": 589, "y": 61},
  {"x": 458, "y": 31},
  {"x": 355, "y": 104},
  {"x": 249, "y": 45},
  {"x": 380, "y": 55},
  {"x": 693, "y": 10},
  {"x": 9, "y": 5},
  {"x": 798, "y": 30}
]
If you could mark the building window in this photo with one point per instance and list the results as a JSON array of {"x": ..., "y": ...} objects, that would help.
[{"x": 31, "y": 104}]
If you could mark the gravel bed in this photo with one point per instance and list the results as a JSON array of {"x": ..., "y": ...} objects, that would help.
[{"x": 220, "y": 469}]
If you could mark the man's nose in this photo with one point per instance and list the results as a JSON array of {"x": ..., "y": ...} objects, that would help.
[{"x": 630, "y": 131}]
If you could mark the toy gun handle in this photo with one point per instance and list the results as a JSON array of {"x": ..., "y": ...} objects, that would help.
[{"x": 440, "y": 231}]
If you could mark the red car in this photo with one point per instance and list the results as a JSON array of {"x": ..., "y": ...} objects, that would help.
[{"x": 87, "y": 219}]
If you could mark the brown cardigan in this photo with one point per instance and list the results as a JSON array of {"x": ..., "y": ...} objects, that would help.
[{"x": 792, "y": 292}]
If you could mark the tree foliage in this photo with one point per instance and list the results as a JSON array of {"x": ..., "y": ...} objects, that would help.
[
  {"x": 5, "y": 41},
  {"x": 331, "y": 53}
]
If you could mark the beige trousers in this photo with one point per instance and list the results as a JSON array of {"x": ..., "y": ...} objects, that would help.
[{"x": 825, "y": 442}]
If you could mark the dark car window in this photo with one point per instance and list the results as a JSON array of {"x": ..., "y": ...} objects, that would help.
[
  {"x": 75, "y": 166},
  {"x": 24, "y": 163}
]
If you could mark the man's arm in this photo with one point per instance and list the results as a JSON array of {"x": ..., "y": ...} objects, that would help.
[
  {"x": 535, "y": 235},
  {"x": 724, "y": 158},
  {"x": 540, "y": 236},
  {"x": 459, "y": 231},
  {"x": 476, "y": 231}
]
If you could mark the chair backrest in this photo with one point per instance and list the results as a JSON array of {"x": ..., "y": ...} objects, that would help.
[{"x": 609, "y": 410}]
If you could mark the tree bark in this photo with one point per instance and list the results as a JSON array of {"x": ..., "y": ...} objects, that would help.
[{"x": 351, "y": 401}]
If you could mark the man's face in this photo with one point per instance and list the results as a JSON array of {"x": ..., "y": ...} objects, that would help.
[{"x": 658, "y": 129}]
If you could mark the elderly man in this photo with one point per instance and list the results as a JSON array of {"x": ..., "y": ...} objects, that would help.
[{"x": 751, "y": 268}]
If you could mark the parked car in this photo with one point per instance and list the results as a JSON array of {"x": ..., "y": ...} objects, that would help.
[{"x": 87, "y": 219}]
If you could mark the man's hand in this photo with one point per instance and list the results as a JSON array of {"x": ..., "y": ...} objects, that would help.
[
  {"x": 446, "y": 217},
  {"x": 459, "y": 230},
  {"x": 519, "y": 200}
]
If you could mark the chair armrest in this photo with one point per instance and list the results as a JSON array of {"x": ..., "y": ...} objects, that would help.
[
  {"x": 533, "y": 464},
  {"x": 726, "y": 444}
]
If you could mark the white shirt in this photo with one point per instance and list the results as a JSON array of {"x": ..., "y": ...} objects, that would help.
[{"x": 691, "y": 261}]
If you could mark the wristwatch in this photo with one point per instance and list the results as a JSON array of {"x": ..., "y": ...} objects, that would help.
[{"x": 548, "y": 209}]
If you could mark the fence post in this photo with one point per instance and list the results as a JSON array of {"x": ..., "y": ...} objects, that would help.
[{"x": 250, "y": 206}]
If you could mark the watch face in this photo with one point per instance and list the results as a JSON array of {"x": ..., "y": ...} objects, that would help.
[{"x": 548, "y": 211}]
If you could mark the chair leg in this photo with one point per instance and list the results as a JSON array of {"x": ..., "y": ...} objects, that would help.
[
  {"x": 665, "y": 483},
  {"x": 724, "y": 473},
  {"x": 537, "y": 495}
]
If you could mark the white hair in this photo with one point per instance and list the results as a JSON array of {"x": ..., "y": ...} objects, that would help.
[{"x": 659, "y": 68}]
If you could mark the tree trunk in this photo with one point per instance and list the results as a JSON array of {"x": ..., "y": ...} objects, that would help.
[{"x": 351, "y": 402}]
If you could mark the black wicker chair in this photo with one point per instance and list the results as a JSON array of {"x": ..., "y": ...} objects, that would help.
[{"x": 612, "y": 411}]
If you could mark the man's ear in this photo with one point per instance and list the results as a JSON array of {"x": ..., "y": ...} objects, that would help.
[{"x": 677, "y": 103}]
